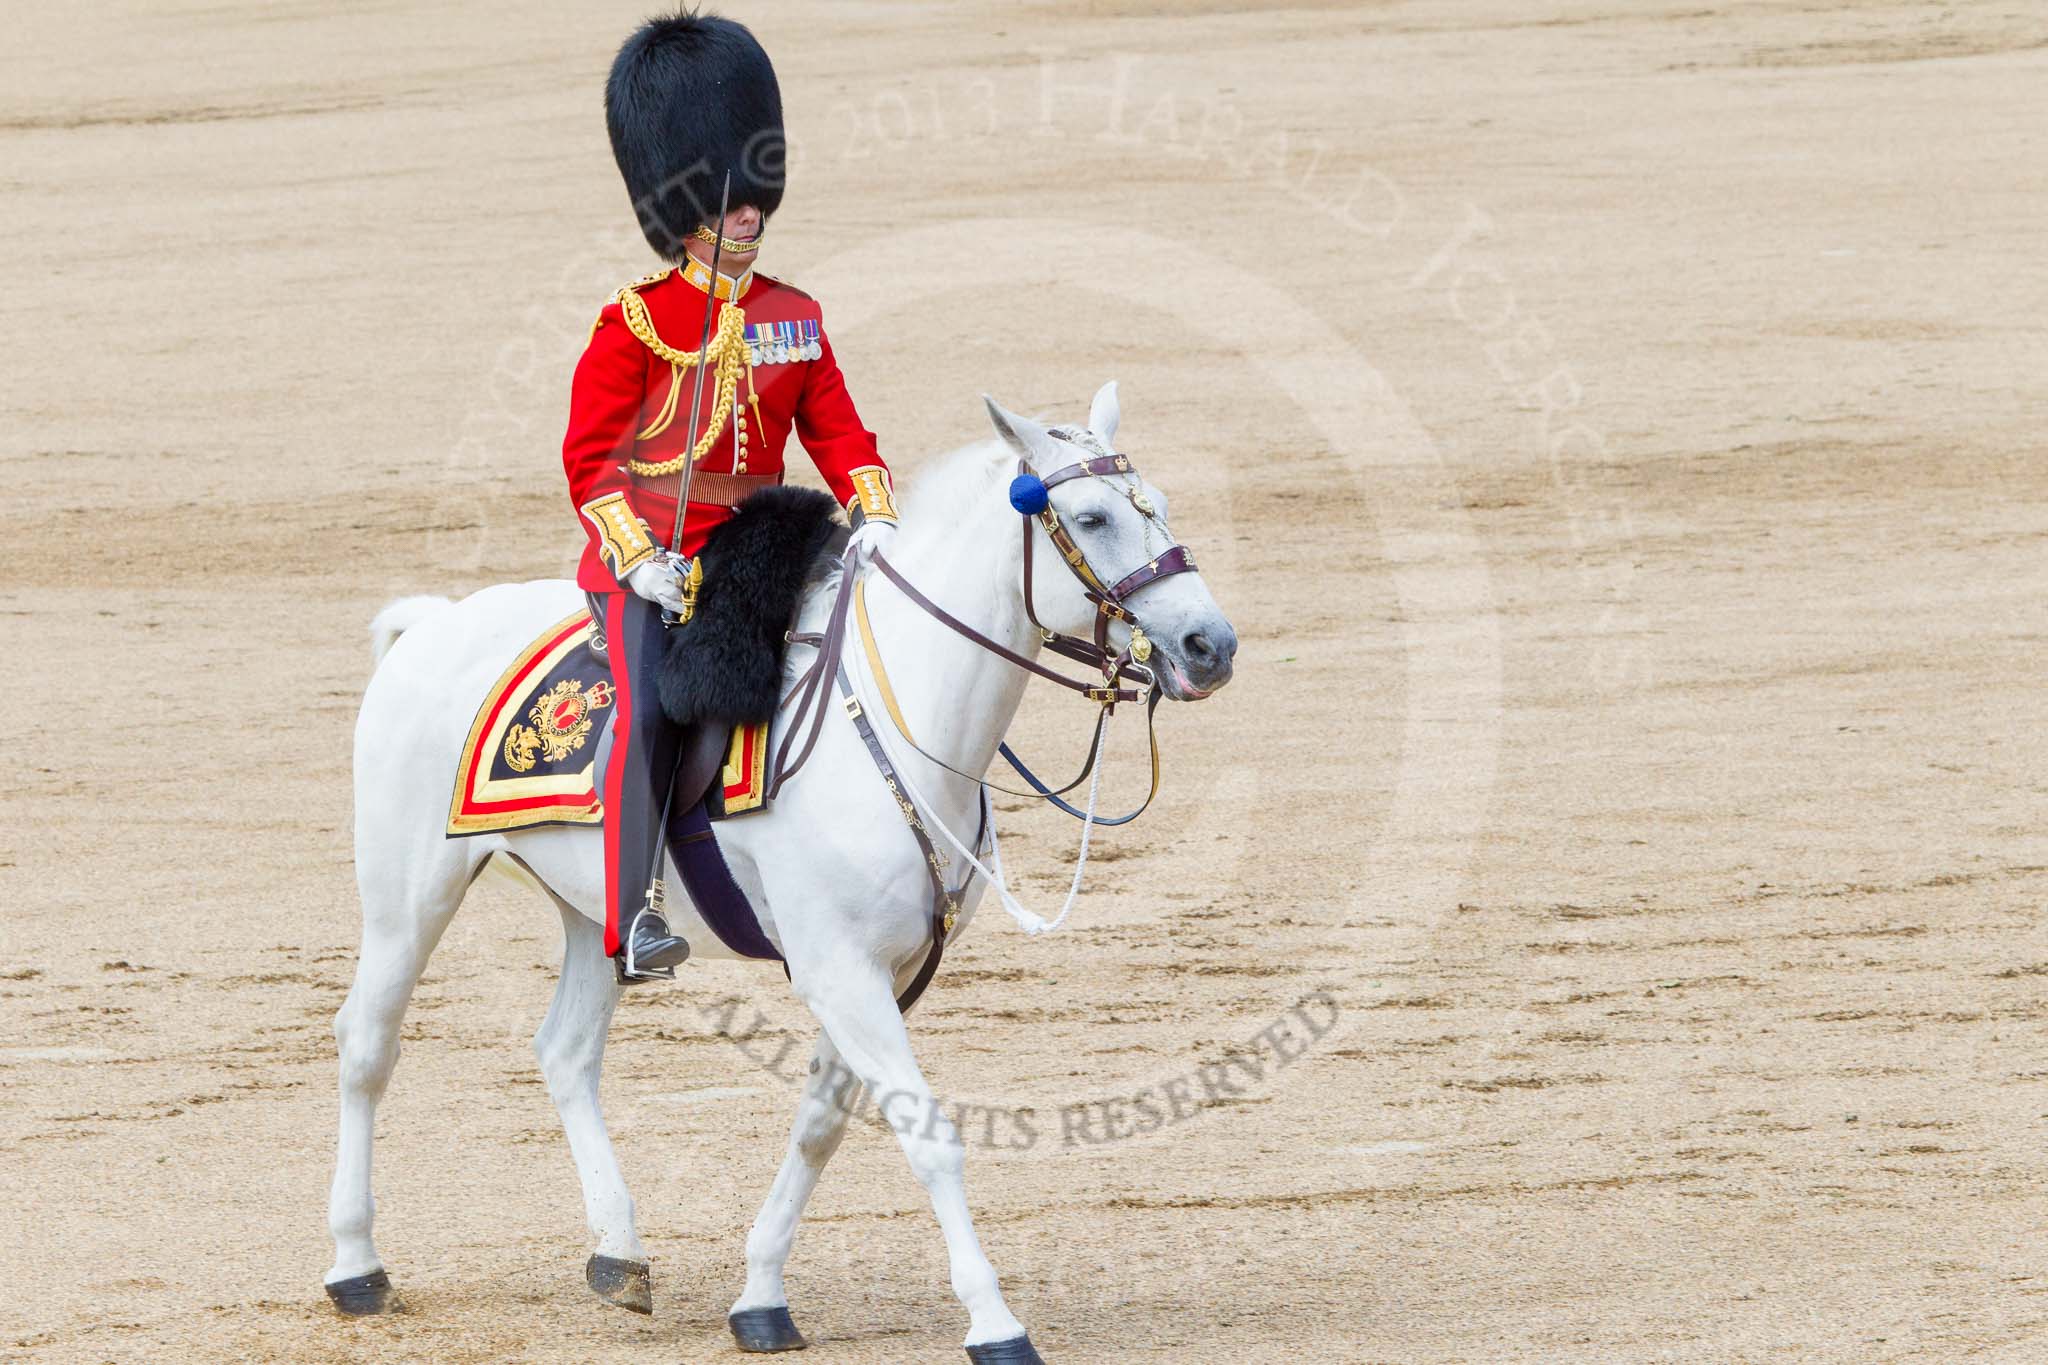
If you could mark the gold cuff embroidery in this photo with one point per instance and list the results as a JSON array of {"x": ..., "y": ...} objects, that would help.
[
  {"x": 873, "y": 493},
  {"x": 622, "y": 538}
]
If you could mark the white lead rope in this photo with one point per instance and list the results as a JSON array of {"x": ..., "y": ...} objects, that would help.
[
  {"x": 1028, "y": 920},
  {"x": 1081, "y": 857}
]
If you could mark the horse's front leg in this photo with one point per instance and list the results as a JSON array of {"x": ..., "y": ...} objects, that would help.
[
  {"x": 855, "y": 1001},
  {"x": 760, "y": 1318}
]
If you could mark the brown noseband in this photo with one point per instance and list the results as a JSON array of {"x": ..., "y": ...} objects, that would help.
[{"x": 1109, "y": 599}]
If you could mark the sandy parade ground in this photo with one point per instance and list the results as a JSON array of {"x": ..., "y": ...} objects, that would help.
[{"x": 1615, "y": 428}]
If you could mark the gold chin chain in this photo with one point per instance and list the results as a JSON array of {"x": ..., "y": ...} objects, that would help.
[
  {"x": 709, "y": 236},
  {"x": 726, "y": 353}
]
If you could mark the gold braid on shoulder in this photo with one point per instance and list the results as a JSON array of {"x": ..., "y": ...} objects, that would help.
[{"x": 725, "y": 353}]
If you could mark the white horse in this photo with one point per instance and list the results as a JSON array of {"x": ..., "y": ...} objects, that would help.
[{"x": 831, "y": 867}]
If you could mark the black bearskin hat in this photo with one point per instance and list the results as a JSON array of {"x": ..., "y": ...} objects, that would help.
[{"x": 690, "y": 97}]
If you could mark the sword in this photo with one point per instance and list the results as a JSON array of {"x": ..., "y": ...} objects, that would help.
[
  {"x": 675, "y": 543},
  {"x": 655, "y": 890}
]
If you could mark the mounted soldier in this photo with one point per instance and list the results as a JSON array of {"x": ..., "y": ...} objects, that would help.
[
  {"x": 869, "y": 836},
  {"x": 690, "y": 386}
]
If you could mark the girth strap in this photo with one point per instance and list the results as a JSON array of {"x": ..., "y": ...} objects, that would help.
[
  {"x": 945, "y": 903},
  {"x": 719, "y": 899}
]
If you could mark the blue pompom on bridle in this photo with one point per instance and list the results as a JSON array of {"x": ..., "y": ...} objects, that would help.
[{"x": 1028, "y": 495}]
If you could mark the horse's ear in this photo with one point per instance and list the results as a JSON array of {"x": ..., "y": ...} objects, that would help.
[
  {"x": 1104, "y": 414},
  {"x": 1021, "y": 434}
]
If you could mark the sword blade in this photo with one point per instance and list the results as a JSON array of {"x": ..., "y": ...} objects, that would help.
[{"x": 675, "y": 541}]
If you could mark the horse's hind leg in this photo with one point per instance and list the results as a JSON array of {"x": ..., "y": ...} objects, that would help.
[
  {"x": 406, "y": 905},
  {"x": 570, "y": 1045},
  {"x": 760, "y": 1318}
]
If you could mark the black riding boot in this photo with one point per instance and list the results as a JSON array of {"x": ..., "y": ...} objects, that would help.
[
  {"x": 634, "y": 808},
  {"x": 649, "y": 950}
]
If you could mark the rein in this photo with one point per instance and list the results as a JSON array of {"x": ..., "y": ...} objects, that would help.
[
  {"x": 1107, "y": 696},
  {"x": 1109, "y": 603},
  {"x": 811, "y": 691},
  {"x": 1108, "y": 599}
]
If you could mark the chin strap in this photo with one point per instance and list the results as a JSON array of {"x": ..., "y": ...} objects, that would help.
[{"x": 708, "y": 235}]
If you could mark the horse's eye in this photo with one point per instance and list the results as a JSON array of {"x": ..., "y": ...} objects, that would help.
[{"x": 1091, "y": 521}]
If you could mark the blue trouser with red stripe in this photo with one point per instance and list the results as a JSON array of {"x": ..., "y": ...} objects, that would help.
[{"x": 643, "y": 760}]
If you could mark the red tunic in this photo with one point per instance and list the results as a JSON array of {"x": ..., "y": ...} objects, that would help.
[{"x": 621, "y": 394}]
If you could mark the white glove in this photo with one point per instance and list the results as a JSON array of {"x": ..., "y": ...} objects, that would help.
[
  {"x": 660, "y": 581},
  {"x": 872, "y": 535}
]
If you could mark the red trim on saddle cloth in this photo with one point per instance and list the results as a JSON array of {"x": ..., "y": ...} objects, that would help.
[
  {"x": 746, "y": 770},
  {"x": 555, "y": 786},
  {"x": 558, "y": 784}
]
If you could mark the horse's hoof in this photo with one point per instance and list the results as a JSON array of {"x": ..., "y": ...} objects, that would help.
[
  {"x": 364, "y": 1296},
  {"x": 1015, "y": 1351},
  {"x": 765, "y": 1330},
  {"x": 625, "y": 1283}
]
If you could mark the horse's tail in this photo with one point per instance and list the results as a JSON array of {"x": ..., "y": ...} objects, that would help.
[{"x": 396, "y": 619}]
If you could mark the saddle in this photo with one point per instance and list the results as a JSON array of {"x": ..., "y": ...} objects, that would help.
[
  {"x": 719, "y": 682},
  {"x": 543, "y": 733}
]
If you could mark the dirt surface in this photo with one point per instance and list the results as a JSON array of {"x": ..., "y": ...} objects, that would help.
[{"x": 1617, "y": 437}]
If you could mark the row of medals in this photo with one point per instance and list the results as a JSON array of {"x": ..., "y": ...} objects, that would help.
[{"x": 773, "y": 352}]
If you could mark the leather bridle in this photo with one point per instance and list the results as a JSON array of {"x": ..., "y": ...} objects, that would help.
[
  {"x": 807, "y": 716},
  {"x": 810, "y": 693},
  {"x": 1108, "y": 599}
]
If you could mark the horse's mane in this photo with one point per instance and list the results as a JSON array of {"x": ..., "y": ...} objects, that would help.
[
  {"x": 956, "y": 480},
  {"x": 931, "y": 503}
]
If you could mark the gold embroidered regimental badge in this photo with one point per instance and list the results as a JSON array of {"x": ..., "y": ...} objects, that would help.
[{"x": 561, "y": 724}]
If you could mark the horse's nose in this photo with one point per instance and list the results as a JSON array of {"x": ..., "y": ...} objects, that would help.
[{"x": 1208, "y": 653}]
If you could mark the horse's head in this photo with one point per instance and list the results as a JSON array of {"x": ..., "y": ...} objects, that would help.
[{"x": 1121, "y": 565}]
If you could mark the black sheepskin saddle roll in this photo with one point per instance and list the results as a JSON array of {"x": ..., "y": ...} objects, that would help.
[{"x": 725, "y": 666}]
